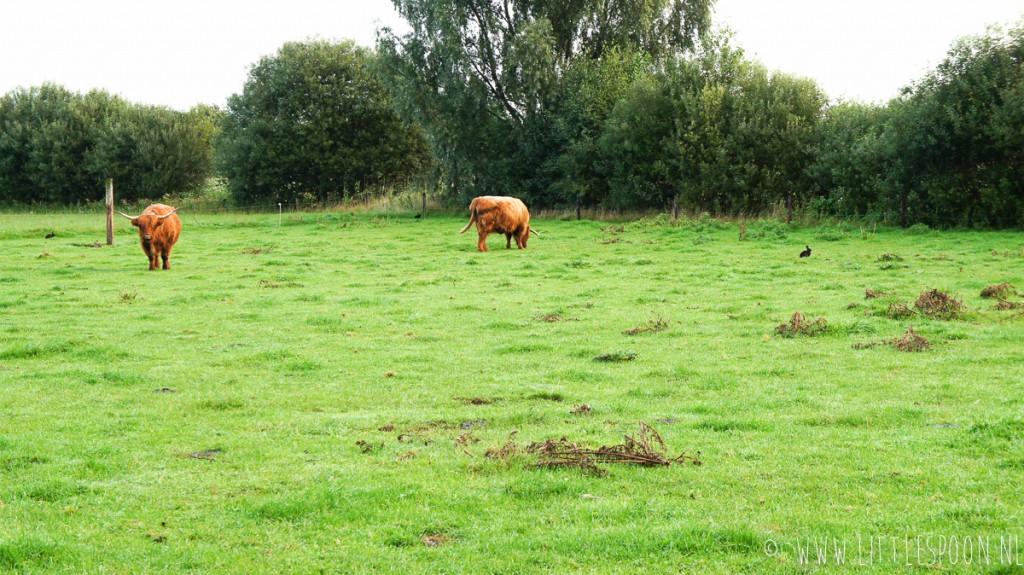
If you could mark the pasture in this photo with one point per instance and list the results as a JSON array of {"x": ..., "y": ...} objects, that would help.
[{"x": 357, "y": 393}]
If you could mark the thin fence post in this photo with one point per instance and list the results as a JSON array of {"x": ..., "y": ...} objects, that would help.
[
  {"x": 675, "y": 207},
  {"x": 789, "y": 208},
  {"x": 578, "y": 214},
  {"x": 110, "y": 211}
]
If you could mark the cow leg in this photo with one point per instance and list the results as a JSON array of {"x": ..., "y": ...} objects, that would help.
[
  {"x": 166, "y": 255},
  {"x": 522, "y": 237},
  {"x": 508, "y": 241},
  {"x": 152, "y": 255},
  {"x": 481, "y": 244}
]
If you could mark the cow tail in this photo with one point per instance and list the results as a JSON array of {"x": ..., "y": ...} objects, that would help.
[{"x": 472, "y": 219}]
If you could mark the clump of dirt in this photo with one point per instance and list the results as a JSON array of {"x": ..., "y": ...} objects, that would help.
[
  {"x": 555, "y": 317},
  {"x": 210, "y": 454},
  {"x": 645, "y": 448},
  {"x": 910, "y": 341},
  {"x": 872, "y": 294},
  {"x": 888, "y": 257},
  {"x": 506, "y": 451},
  {"x": 939, "y": 305},
  {"x": 1000, "y": 291},
  {"x": 798, "y": 325},
  {"x": 581, "y": 410},
  {"x": 474, "y": 400},
  {"x": 1005, "y": 305},
  {"x": 466, "y": 439},
  {"x": 436, "y": 539},
  {"x": 367, "y": 447},
  {"x": 651, "y": 325},
  {"x": 616, "y": 357},
  {"x": 899, "y": 311}
]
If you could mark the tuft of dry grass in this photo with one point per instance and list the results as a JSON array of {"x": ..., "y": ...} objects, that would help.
[
  {"x": 999, "y": 291},
  {"x": 910, "y": 341},
  {"x": 651, "y": 325},
  {"x": 1004, "y": 305},
  {"x": 899, "y": 311},
  {"x": 798, "y": 325},
  {"x": 939, "y": 305},
  {"x": 872, "y": 294}
]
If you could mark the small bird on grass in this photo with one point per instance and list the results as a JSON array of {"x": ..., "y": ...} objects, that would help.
[
  {"x": 806, "y": 253},
  {"x": 50, "y": 235}
]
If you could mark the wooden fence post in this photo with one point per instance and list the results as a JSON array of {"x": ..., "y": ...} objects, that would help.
[
  {"x": 110, "y": 211},
  {"x": 578, "y": 201},
  {"x": 675, "y": 207}
]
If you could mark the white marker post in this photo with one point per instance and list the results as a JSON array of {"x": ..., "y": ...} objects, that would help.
[{"x": 279, "y": 213}]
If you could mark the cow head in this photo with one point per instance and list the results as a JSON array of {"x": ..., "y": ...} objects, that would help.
[{"x": 148, "y": 224}]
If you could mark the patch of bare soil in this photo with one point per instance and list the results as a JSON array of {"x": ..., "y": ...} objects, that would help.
[
  {"x": 938, "y": 304},
  {"x": 872, "y": 294},
  {"x": 798, "y": 325}
]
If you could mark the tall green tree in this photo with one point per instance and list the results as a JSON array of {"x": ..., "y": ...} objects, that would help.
[
  {"x": 58, "y": 146},
  {"x": 314, "y": 122},
  {"x": 717, "y": 131},
  {"x": 485, "y": 78}
]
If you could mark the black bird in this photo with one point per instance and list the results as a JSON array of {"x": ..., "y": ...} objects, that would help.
[
  {"x": 806, "y": 253},
  {"x": 417, "y": 216},
  {"x": 50, "y": 235}
]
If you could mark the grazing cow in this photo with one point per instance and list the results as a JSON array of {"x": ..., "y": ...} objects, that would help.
[
  {"x": 159, "y": 228},
  {"x": 806, "y": 253},
  {"x": 500, "y": 215}
]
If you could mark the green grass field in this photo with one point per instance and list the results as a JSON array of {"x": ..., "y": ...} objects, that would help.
[{"x": 321, "y": 396}]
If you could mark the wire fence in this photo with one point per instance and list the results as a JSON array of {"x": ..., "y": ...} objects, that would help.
[{"x": 433, "y": 204}]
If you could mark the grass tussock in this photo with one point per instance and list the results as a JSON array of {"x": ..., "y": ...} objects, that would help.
[
  {"x": 890, "y": 257},
  {"x": 938, "y": 304},
  {"x": 616, "y": 357},
  {"x": 872, "y": 294},
  {"x": 799, "y": 325}
]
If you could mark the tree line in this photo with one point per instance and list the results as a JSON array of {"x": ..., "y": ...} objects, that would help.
[{"x": 631, "y": 104}]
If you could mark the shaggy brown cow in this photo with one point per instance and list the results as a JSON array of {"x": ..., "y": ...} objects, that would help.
[
  {"x": 159, "y": 228},
  {"x": 500, "y": 215}
]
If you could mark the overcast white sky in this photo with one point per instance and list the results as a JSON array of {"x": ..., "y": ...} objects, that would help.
[{"x": 199, "y": 51}]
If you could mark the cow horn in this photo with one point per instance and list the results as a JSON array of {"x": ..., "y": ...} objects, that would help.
[
  {"x": 167, "y": 215},
  {"x": 125, "y": 215}
]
